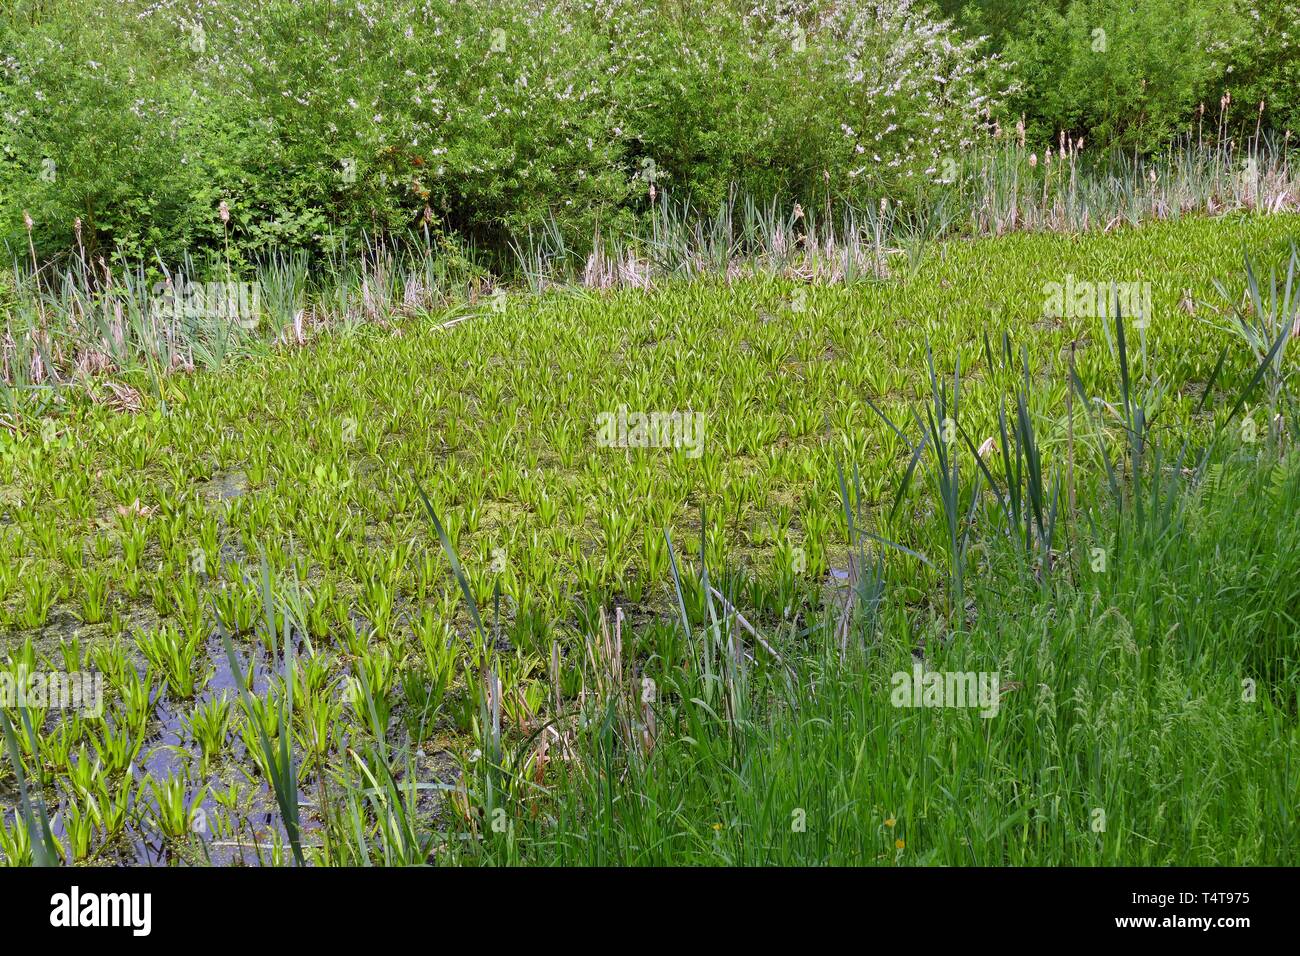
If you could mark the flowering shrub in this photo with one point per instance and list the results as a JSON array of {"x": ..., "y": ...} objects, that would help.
[
  {"x": 96, "y": 133},
  {"x": 806, "y": 98},
  {"x": 318, "y": 120}
]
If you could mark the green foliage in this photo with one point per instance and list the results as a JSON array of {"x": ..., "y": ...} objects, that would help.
[
  {"x": 127, "y": 124},
  {"x": 1133, "y": 727},
  {"x": 317, "y": 121},
  {"x": 98, "y": 132},
  {"x": 633, "y": 647},
  {"x": 284, "y": 496},
  {"x": 1264, "y": 62},
  {"x": 1162, "y": 60},
  {"x": 797, "y": 99},
  {"x": 1125, "y": 74}
]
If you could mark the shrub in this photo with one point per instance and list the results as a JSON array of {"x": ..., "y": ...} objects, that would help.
[
  {"x": 96, "y": 132},
  {"x": 318, "y": 120},
  {"x": 1125, "y": 74},
  {"x": 308, "y": 119},
  {"x": 802, "y": 98},
  {"x": 1264, "y": 61}
]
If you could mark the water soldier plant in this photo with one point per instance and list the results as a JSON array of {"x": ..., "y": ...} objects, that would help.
[{"x": 384, "y": 598}]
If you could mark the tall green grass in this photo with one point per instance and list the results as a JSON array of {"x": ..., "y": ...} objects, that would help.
[{"x": 1147, "y": 712}]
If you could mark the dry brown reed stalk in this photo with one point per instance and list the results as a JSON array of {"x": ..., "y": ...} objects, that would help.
[{"x": 730, "y": 609}]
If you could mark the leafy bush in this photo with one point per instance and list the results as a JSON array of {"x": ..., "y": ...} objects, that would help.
[
  {"x": 307, "y": 119},
  {"x": 1147, "y": 73},
  {"x": 315, "y": 121},
  {"x": 96, "y": 132},
  {"x": 1264, "y": 62},
  {"x": 800, "y": 99},
  {"x": 1125, "y": 74}
]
